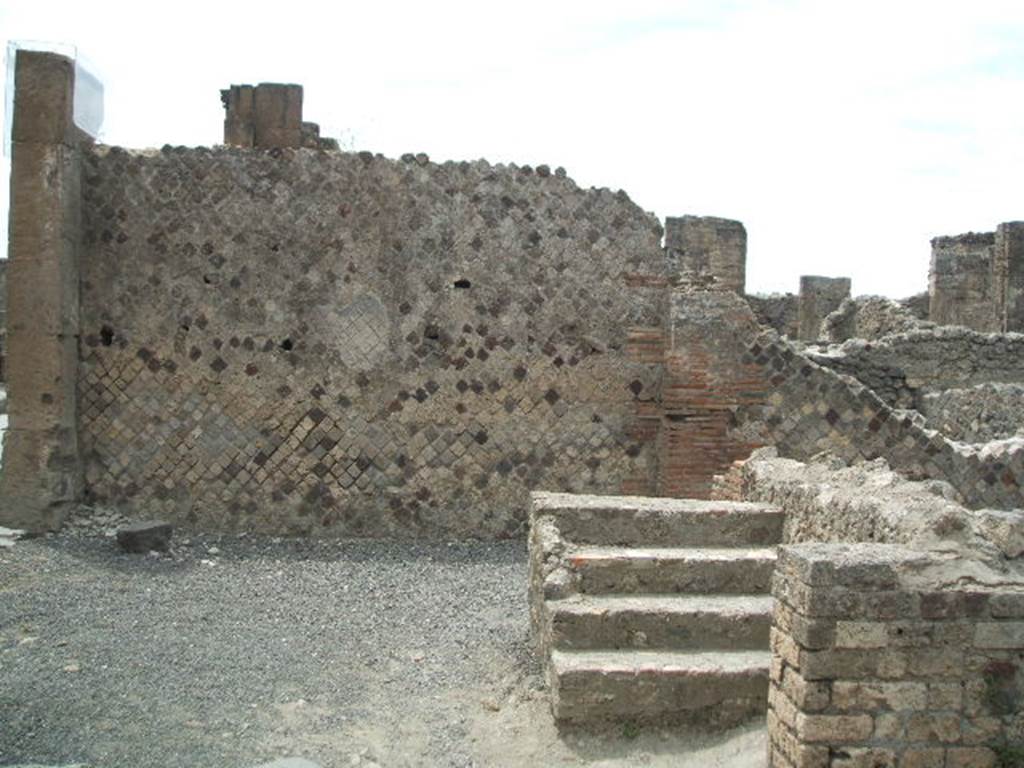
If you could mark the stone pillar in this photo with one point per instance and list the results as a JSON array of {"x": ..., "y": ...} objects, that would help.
[
  {"x": 819, "y": 297},
  {"x": 878, "y": 661},
  {"x": 960, "y": 290},
  {"x": 41, "y": 477},
  {"x": 1008, "y": 276},
  {"x": 266, "y": 116},
  {"x": 709, "y": 246},
  {"x": 3, "y": 316}
]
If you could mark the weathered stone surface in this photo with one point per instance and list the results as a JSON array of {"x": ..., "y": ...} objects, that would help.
[
  {"x": 289, "y": 762},
  {"x": 976, "y": 414},
  {"x": 902, "y": 369},
  {"x": 657, "y": 685},
  {"x": 359, "y": 345},
  {"x": 41, "y": 475},
  {"x": 693, "y": 622},
  {"x": 710, "y": 247},
  {"x": 648, "y": 632},
  {"x": 868, "y": 317},
  {"x": 819, "y": 297},
  {"x": 960, "y": 281},
  {"x": 146, "y": 536},
  {"x": 1004, "y": 528},
  {"x": 778, "y": 311},
  {"x": 603, "y": 570},
  {"x": 638, "y": 520}
]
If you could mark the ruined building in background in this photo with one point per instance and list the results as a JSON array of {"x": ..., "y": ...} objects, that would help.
[{"x": 276, "y": 336}]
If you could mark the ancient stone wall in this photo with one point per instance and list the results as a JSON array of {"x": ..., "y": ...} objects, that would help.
[
  {"x": 730, "y": 386},
  {"x": 708, "y": 246},
  {"x": 960, "y": 282},
  {"x": 308, "y": 341},
  {"x": 778, "y": 311},
  {"x": 868, "y": 317},
  {"x": 903, "y": 368},
  {"x": 976, "y": 414},
  {"x": 1008, "y": 276},
  {"x": 916, "y": 305},
  {"x": 882, "y": 658},
  {"x": 819, "y": 296},
  {"x": 897, "y": 626}
]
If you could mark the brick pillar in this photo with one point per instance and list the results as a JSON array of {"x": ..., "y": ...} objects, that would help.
[
  {"x": 41, "y": 476},
  {"x": 1008, "y": 276},
  {"x": 709, "y": 247},
  {"x": 819, "y": 297},
  {"x": 708, "y": 376},
  {"x": 878, "y": 661}
]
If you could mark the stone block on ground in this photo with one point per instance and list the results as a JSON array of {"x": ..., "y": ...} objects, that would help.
[{"x": 145, "y": 536}]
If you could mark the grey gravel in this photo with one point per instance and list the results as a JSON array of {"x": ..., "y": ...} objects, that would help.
[
  {"x": 229, "y": 652},
  {"x": 192, "y": 659}
]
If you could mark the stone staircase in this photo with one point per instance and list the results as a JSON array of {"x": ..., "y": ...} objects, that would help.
[{"x": 651, "y": 609}]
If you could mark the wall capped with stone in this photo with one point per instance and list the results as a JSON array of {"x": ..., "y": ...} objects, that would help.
[{"x": 306, "y": 341}]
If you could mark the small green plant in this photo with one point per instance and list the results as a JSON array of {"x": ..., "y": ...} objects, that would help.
[
  {"x": 630, "y": 730},
  {"x": 1009, "y": 755}
]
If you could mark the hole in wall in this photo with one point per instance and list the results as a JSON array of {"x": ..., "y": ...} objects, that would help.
[
  {"x": 106, "y": 335},
  {"x": 462, "y": 283},
  {"x": 287, "y": 345}
]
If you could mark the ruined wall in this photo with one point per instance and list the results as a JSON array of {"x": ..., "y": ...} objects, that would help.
[
  {"x": 303, "y": 341},
  {"x": 868, "y": 317},
  {"x": 902, "y": 368},
  {"x": 778, "y": 311},
  {"x": 708, "y": 246},
  {"x": 819, "y": 296},
  {"x": 1008, "y": 275},
  {"x": 960, "y": 281},
  {"x": 881, "y": 656},
  {"x": 976, "y": 414},
  {"x": 731, "y": 386},
  {"x": 916, "y": 305}
]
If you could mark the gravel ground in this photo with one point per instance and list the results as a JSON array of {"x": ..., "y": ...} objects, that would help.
[{"x": 232, "y": 651}]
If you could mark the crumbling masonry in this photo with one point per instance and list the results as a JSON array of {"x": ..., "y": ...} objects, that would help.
[{"x": 276, "y": 336}]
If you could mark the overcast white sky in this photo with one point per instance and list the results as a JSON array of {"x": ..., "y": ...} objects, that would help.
[{"x": 843, "y": 134}]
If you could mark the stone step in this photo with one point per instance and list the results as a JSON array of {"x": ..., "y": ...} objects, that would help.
[
  {"x": 677, "y": 622},
  {"x": 719, "y": 688},
  {"x": 611, "y": 570},
  {"x": 640, "y": 521}
]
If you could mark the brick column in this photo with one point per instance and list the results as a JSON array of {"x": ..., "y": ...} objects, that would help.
[
  {"x": 876, "y": 663},
  {"x": 41, "y": 475}
]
